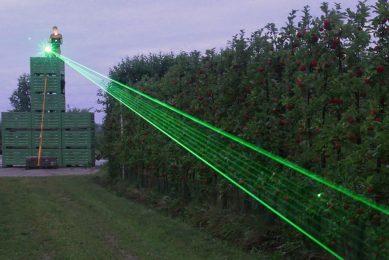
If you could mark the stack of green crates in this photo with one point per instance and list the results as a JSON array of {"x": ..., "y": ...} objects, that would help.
[
  {"x": 78, "y": 135},
  {"x": 51, "y": 71},
  {"x": 67, "y": 136},
  {"x": 16, "y": 137}
]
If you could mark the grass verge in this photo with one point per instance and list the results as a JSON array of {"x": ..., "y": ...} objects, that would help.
[{"x": 72, "y": 217}]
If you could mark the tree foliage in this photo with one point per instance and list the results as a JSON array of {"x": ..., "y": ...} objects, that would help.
[
  {"x": 314, "y": 91},
  {"x": 78, "y": 110},
  {"x": 1, "y": 140},
  {"x": 21, "y": 97}
]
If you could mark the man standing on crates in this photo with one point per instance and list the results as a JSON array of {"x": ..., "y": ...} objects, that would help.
[{"x": 56, "y": 40}]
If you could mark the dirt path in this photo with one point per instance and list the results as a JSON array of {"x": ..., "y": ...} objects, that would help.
[{"x": 21, "y": 172}]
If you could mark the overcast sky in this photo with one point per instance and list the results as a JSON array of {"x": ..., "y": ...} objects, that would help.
[{"x": 99, "y": 33}]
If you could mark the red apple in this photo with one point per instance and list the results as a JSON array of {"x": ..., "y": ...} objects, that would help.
[
  {"x": 378, "y": 119},
  {"x": 336, "y": 101},
  {"x": 370, "y": 190},
  {"x": 380, "y": 68},
  {"x": 337, "y": 145},
  {"x": 300, "y": 83},
  {"x": 283, "y": 122},
  {"x": 313, "y": 63},
  {"x": 314, "y": 38},
  {"x": 289, "y": 107},
  {"x": 327, "y": 25},
  {"x": 350, "y": 120},
  {"x": 358, "y": 72},
  {"x": 335, "y": 43},
  {"x": 260, "y": 69},
  {"x": 302, "y": 67}
]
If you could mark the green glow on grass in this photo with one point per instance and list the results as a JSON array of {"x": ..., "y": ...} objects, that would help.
[{"x": 286, "y": 189}]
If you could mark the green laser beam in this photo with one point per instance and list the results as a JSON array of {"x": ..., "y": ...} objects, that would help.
[
  {"x": 238, "y": 185},
  {"x": 220, "y": 157},
  {"x": 262, "y": 151},
  {"x": 111, "y": 93},
  {"x": 166, "y": 118}
]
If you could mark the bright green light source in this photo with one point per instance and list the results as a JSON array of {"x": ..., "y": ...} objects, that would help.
[
  {"x": 48, "y": 49},
  {"x": 320, "y": 194}
]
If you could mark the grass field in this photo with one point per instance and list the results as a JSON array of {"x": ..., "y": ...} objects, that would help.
[{"x": 72, "y": 217}]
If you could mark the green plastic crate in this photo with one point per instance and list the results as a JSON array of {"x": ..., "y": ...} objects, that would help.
[
  {"x": 52, "y": 102},
  {"x": 51, "y": 120},
  {"x": 78, "y": 157},
  {"x": 15, "y": 157},
  {"x": 77, "y": 139},
  {"x": 46, "y": 65},
  {"x": 53, "y": 83},
  {"x": 16, "y": 138},
  {"x": 78, "y": 120},
  {"x": 51, "y": 139},
  {"x": 21, "y": 120}
]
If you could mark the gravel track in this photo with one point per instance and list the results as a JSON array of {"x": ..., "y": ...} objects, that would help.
[{"x": 22, "y": 172}]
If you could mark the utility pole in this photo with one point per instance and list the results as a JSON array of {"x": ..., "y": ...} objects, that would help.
[{"x": 121, "y": 133}]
